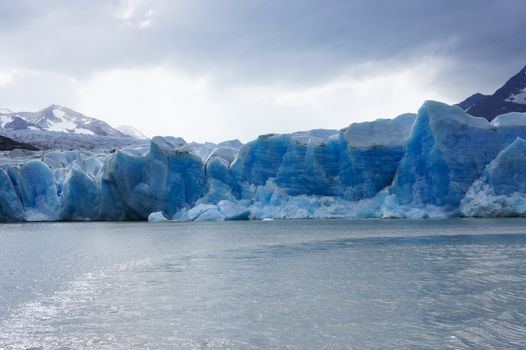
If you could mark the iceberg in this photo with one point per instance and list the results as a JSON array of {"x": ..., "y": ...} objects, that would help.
[{"x": 157, "y": 217}]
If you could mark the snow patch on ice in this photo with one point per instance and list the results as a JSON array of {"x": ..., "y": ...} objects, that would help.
[
  {"x": 510, "y": 119},
  {"x": 381, "y": 132}
]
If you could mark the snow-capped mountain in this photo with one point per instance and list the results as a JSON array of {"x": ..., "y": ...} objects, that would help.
[
  {"x": 132, "y": 132},
  {"x": 511, "y": 97},
  {"x": 58, "y": 127},
  {"x": 9, "y": 120},
  {"x": 58, "y": 119}
]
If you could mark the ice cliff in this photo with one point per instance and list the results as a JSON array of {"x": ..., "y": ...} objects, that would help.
[{"x": 440, "y": 162}]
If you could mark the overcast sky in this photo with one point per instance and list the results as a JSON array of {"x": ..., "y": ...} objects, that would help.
[{"x": 222, "y": 69}]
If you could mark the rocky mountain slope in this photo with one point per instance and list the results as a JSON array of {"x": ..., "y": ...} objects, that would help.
[{"x": 511, "y": 97}]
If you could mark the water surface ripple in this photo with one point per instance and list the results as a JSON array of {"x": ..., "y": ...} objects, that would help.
[{"x": 366, "y": 284}]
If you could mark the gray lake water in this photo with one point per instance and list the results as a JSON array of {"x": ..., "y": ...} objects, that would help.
[{"x": 369, "y": 284}]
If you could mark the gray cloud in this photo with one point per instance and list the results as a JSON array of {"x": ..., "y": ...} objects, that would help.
[
  {"x": 315, "y": 62},
  {"x": 290, "y": 40}
]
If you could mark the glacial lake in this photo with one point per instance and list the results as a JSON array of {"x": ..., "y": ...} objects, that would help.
[{"x": 299, "y": 284}]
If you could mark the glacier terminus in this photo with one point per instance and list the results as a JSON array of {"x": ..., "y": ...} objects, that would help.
[{"x": 440, "y": 162}]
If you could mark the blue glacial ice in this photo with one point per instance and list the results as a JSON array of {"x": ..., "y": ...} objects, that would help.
[
  {"x": 447, "y": 151},
  {"x": 354, "y": 163},
  {"x": 38, "y": 191},
  {"x": 501, "y": 190},
  {"x": 439, "y": 162}
]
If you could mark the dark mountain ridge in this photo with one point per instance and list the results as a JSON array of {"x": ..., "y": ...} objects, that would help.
[{"x": 511, "y": 97}]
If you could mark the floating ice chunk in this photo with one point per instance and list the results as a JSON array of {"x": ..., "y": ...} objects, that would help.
[{"x": 157, "y": 217}]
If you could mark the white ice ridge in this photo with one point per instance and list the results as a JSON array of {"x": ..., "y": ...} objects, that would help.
[
  {"x": 381, "y": 132},
  {"x": 510, "y": 119}
]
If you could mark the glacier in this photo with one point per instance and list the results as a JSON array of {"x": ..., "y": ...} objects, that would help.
[
  {"x": 501, "y": 190},
  {"x": 439, "y": 162}
]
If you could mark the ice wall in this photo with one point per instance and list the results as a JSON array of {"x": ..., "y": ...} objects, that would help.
[
  {"x": 501, "y": 190},
  {"x": 447, "y": 151},
  {"x": 354, "y": 163},
  {"x": 439, "y": 162}
]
